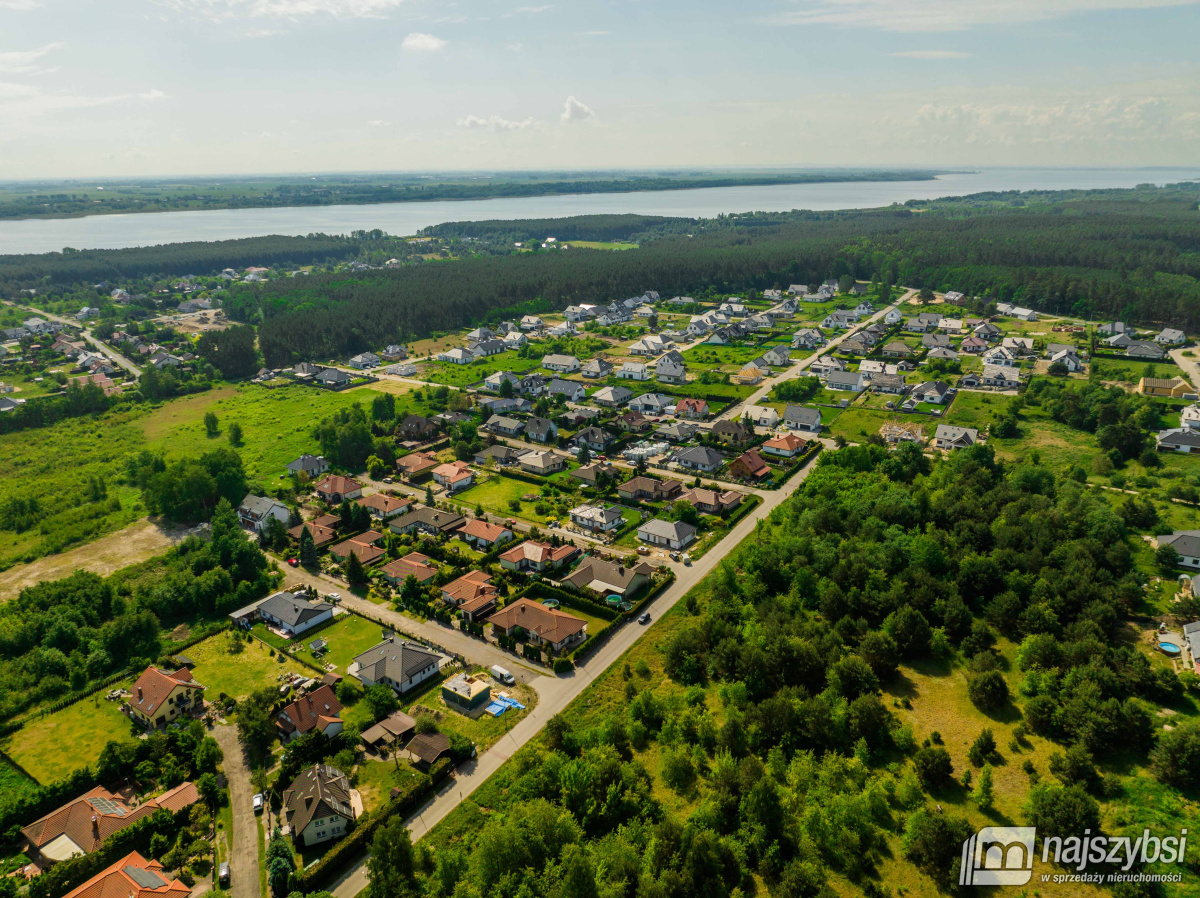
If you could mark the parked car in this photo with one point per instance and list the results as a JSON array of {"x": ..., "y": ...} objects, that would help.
[
  {"x": 674, "y": 556},
  {"x": 334, "y": 597},
  {"x": 294, "y": 562},
  {"x": 223, "y": 875},
  {"x": 645, "y": 618},
  {"x": 258, "y": 802}
]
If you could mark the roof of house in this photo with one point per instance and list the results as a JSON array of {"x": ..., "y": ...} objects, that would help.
[
  {"x": 337, "y": 484},
  {"x": 550, "y": 624},
  {"x": 787, "y": 442},
  {"x": 417, "y": 463},
  {"x": 677, "y": 531},
  {"x": 395, "y": 659},
  {"x": 154, "y": 685},
  {"x": 132, "y": 876},
  {"x": 260, "y": 506},
  {"x": 1179, "y": 437},
  {"x": 753, "y": 463},
  {"x": 844, "y": 377},
  {"x": 1185, "y": 542},
  {"x": 540, "y": 426},
  {"x": 292, "y": 609},
  {"x": 700, "y": 455},
  {"x": 312, "y": 711},
  {"x": 453, "y": 471},
  {"x": 440, "y": 519},
  {"x": 713, "y": 498},
  {"x": 383, "y": 503},
  {"x": 478, "y": 528},
  {"x": 428, "y": 747},
  {"x": 307, "y": 463},
  {"x": 538, "y": 553},
  {"x": 395, "y": 726},
  {"x": 413, "y": 563},
  {"x": 470, "y": 586},
  {"x": 802, "y": 414},
  {"x": 320, "y": 791},
  {"x": 606, "y": 575},
  {"x": 964, "y": 436}
]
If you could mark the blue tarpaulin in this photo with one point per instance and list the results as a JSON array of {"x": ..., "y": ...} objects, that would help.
[{"x": 500, "y": 704}]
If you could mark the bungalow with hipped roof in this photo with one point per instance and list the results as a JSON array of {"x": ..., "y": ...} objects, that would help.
[
  {"x": 483, "y": 535},
  {"x": 416, "y": 463},
  {"x": 532, "y": 555},
  {"x": 395, "y": 663},
  {"x": 414, "y": 564},
  {"x": 433, "y": 521},
  {"x": 604, "y": 577},
  {"x": 384, "y": 507},
  {"x": 543, "y": 626},
  {"x": 335, "y": 489}
]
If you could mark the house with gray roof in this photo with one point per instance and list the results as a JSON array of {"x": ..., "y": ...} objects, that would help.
[
  {"x": 800, "y": 417},
  {"x": 317, "y": 806},
  {"x": 396, "y": 663},
  {"x": 699, "y": 458},
  {"x": 1179, "y": 439},
  {"x": 1186, "y": 543},
  {"x": 845, "y": 380},
  {"x": 668, "y": 534},
  {"x": 312, "y": 465},
  {"x": 573, "y": 390},
  {"x": 541, "y": 430},
  {"x": 612, "y": 397},
  {"x": 293, "y": 613},
  {"x": 949, "y": 437}
]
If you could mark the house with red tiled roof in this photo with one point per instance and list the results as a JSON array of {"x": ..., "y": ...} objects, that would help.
[
  {"x": 454, "y": 476},
  {"x": 544, "y": 626},
  {"x": 383, "y": 507},
  {"x": 416, "y": 463},
  {"x": 536, "y": 556},
  {"x": 319, "y": 711},
  {"x": 81, "y": 826},
  {"x": 786, "y": 445},
  {"x": 691, "y": 408},
  {"x": 749, "y": 465},
  {"x": 323, "y": 529},
  {"x": 161, "y": 696},
  {"x": 364, "y": 545},
  {"x": 473, "y": 594},
  {"x": 483, "y": 535},
  {"x": 334, "y": 489},
  {"x": 413, "y": 564},
  {"x": 131, "y": 877}
]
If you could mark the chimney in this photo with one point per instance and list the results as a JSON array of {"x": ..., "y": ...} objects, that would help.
[{"x": 139, "y": 699}]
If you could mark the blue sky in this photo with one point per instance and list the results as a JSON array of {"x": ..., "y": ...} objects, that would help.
[{"x": 159, "y": 87}]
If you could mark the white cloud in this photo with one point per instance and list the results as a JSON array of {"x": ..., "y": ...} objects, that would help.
[
  {"x": 575, "y": 111},
  {"x": 154, "y": 94},
  {"x": 376, "y": 123},
  {"x": 422, "y": 43},
  {"x": 951, "y": 15},
  {"x": 223, "y": 10},
  {"x": 21, "y": 62},
  {"x": 20, "y": 4},
  {"x": 514, "y": 46},
  {"x": 496, "y": 123},
  {"x": 529, "y": 10},
  {"x": 931, "y": 54}
]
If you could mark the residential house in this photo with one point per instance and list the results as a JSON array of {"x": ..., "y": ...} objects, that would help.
[
  {"x": 677, "y": 431},
  {"x": 941, "y": 354},
  {"x": 988, "y": 331},
  {"x": 417, "y": 428},
  {"x": 317, "y": 712},
  {"x": 897, "y": 350},
  {"x": 432, "y": 521},
  {"x": 889, "y": 383},
  {"x": 132, "y": 876},
  {"x": 1000, "y": 376},
  {"x": 483, "y": 535},
  {"x": 395, "y": 663},
  {"x": 932, "y": 341},
  {"x": 256, "y": 512},
  {"x": 515, "y": 340},
  {"x": 365, "y": 360},
  {"x": 510, "y": 427},
  {"x": 1141, "y": 349},
  {"x": 384, "y": 507},
  {"x": 797, "y": 289},
  {"x": 750, "y": 375},
  {"x": 466, "y": 694},
  {"x": 1174, "y": 387},
  {"x": 537, "y": 557},
  {"x": 799, "y": 417},
  {"x": 973, "y": 345},
  {"x": 541, "y": 430},
  {"x": 543, "y": 463},
  {"x": 786, "y": 445},
  {"x": 364, "y": 546},
  {"x": 733, "y": 432},
  {"x": 572, "y": 390},
  {"x": 761, "y": 415},
  {"x": 515, "y": 405},
  {"x": 606, "y": 577},
  {"x": 671, "y": 368},
  {"x": 825, "y": 364},
  {"x": 597, "y": 518},
  {"x": 652, "y": 404},
  {"x": 317, "y": 806},
  {"x": 1018, "y": 345},
  {"x": 749, "y": 465},
  {"x": 531, "y": 323},
  {"x": 893, "y": 317},
  {"x": 414, "y": 564},
  {"x": 292, "y": 613},
  {"x": 612, "y": 397},
  {"x": 699, "y": 458},
  {"x": 454, "y": 476},
  {"x": 845, "y": 380},
  {"x": 473, "y": 594},
  {"x": 1068, "y": 359},
  {"x": 486, "y": 348},
  {"x": 403, "y": 369},
  {"x": 1180, "y": 439},
  {"x": 594, "y": 368},
  {"x": 933, "y": 391},
  {"x": 1115, "y": 327},
  {"x": 159, "y": 697},
  {"x": 533, "y": 385},
  {"x": 951, "y": 325},
  {"x": 564, "y": 364},
  {"x": 591, "y": 473},
  {"x": 541, "y": 625},
  {"x": 456, "y": 356},
  {"x": 323, "y": 530},
  {"x": 633, "y": 371},
  {"x": 309, "y": 465},
  {"x": 807, "y": 338},
  {"x": 669, "y": 534},
  {"x": 692, "y": 409},
  {"x": 631, "y": 422},
  {"x": 334, "y": 489},
  {"x": 579, "y": 313},
  {"x": 394, "y": 353},
  {"x": 416, "y": 463},
  {"x": 650, "y": 345},
  {"x": 949, "y": 437},
  {"x": 649, "y": 489},
  {"x": 480, "y": 334},
  {"x": 839, "y": 320}
]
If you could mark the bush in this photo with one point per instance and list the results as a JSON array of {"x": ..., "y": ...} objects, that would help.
[
  {"x": 563, "y": 665},
  {"x": 933, "y": 766},
  {"x": 988, "y": 691}
]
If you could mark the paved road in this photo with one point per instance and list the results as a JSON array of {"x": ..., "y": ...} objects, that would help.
[
  {"x": 1188, "y": 364},
  {"x": 243, "y": 854},
  {"x": 555, "y": 693},
  {"x": 102, "y": 348}
]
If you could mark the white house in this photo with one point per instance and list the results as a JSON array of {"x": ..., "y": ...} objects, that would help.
[
  {"x": 668, "y": 534},
  {"x": 456, "y": 356},
  {"x": 531, "y": 322},
  {"x": 597, "y": 518},
  {"x": 565, "y": 364},
  {"x": 257, "y": 511},
  {"x": 633, "y": 371},
  {"x": 762, "y": 415},
  {"x": 292, "y": 613},
  {"x": 365, "y": 360},
  {"x": 317, "y": 806}
]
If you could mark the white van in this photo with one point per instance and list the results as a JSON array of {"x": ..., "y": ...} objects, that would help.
[{"x": 502, "y": 675}]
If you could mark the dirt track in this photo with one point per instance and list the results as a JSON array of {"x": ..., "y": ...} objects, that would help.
[{"x": 135, "y": 543}]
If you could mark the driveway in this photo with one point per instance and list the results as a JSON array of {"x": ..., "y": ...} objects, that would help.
[
  {"x": 243, "y": 854},
  {"x": 1188, "y": 363}
]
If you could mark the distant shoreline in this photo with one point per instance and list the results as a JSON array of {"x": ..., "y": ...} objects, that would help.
[{"x": 139, "y": 197}]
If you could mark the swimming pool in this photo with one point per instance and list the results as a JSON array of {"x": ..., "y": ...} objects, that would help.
[{"x": 1168, "y": 648}]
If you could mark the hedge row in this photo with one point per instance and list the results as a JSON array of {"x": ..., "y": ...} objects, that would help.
[
  {"x": 799, "y": 463},
  {"x": 542, "y": 591},
  {"x": 596, "y": 640},
  {"x": 335, "y": 861}
]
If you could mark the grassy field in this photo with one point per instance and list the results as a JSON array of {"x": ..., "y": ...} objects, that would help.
[
  {"x": 598, "y": 244},
  {"x": 237, "y": 673},
  {"x": 460, "y": 375},
  {"x": 347, "y": 637},
  {"x": 1131, "y": 371},
  {"x": 495, "y": 494},
  {"x": 856, "y": 424},
  {"x": 51, "y": 747}
]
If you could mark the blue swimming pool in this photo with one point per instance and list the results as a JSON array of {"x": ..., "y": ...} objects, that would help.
[{"x": 1168, "y": 648}]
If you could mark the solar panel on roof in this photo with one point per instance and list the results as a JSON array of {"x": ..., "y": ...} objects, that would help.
[
  {"x": 147, "y": 879},
  {"x": 108, "y": 806}
]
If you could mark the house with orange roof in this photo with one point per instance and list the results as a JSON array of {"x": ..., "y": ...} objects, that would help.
[
  {"x": 416, "y": 464},
  {"x": 691, "y": 408},
  {"x": 749, "y": 465},
  {"x": 317, "y": 712},
  {"x": 384, "y": 507},
  {"x": 413, "y": 564},
  {"x": 543, "y": 626},
  {"x": 536, "y": 556},
  {"x": 472, "y": 594},
  {"x": 364, "y": 545},
  {"x": 454, "y": 476},
  {"x": 786, "y": 445},
  {"x": 131, "y": 877},
  {"x": 81, "y": 826},
  {"x": 162, "y": 696},
  {"x": 483, "y": 535},
  {"x": 334, "y": 489},
  {"x": 323, "y": 529}
]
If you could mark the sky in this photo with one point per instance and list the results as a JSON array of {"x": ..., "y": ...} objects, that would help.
[{"x": 126, "y": 88}]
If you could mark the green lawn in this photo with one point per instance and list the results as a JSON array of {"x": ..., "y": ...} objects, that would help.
[
  {"x": 51, "y": 747},
  {"x": 347, "y": 637},
  {"x": 236, "y": 673},
  {"x": 976, "y": 410},
  {"x": 856, "y": 424},
  {"x": 495, "y": 494},
  {"x": 461, "y": 375}
]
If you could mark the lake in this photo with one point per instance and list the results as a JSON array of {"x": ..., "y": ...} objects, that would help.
[{"x": 151, "y": 228}]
